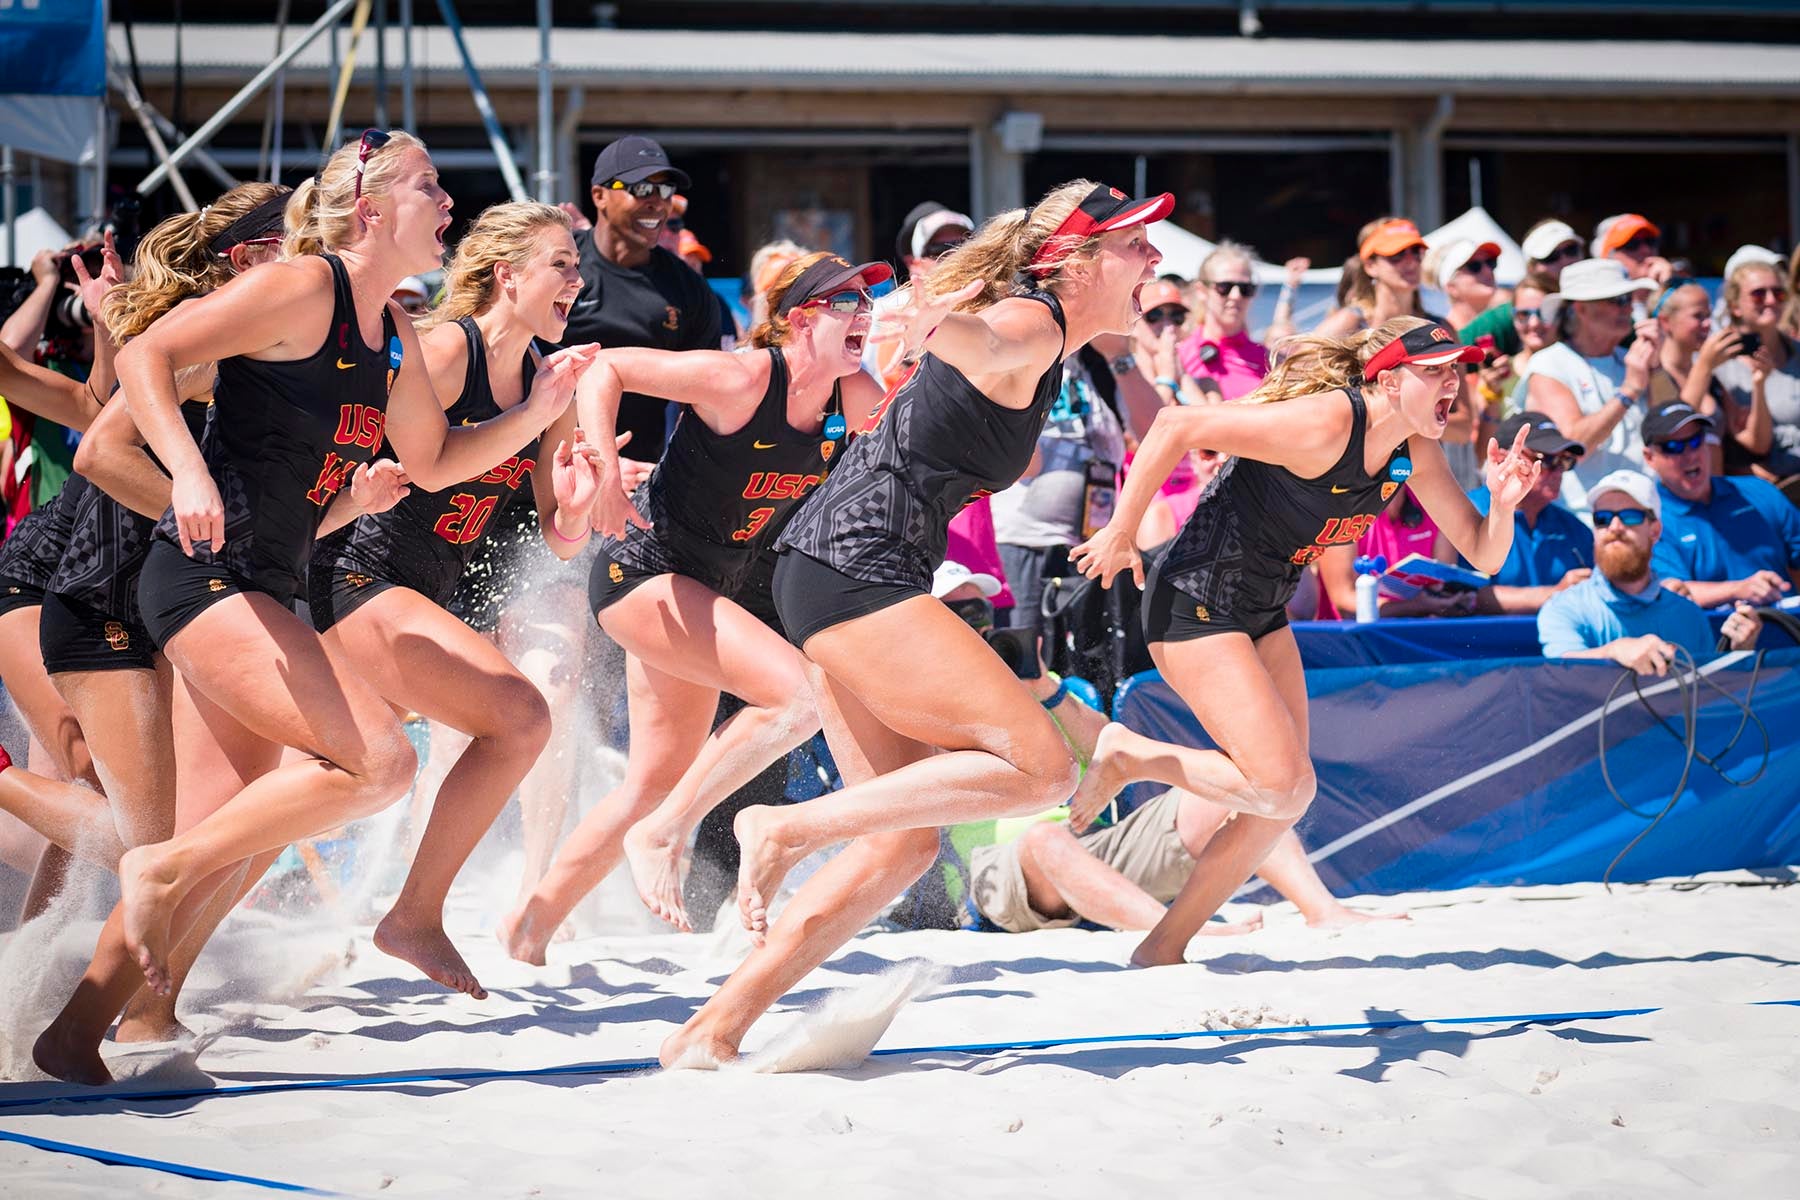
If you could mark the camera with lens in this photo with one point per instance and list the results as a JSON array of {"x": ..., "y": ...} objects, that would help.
[
  {"x": 1017, "y": 648},
  {"x": 68, "y": 319}
]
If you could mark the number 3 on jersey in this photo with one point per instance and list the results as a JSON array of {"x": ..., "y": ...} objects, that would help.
[
  {"x": 465, "y": 523},
  {"x": 758, "y": 518}
]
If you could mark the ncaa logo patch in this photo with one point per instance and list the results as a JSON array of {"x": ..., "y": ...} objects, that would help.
[{"x": 1400, "y": 470}]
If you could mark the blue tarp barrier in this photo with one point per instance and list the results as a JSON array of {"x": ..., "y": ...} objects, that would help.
[
  {"x": 1448, "y": 775},
  {"x": 53, "y": 48}
]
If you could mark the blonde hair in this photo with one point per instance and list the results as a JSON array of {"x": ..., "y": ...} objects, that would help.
[
  {"x": 321, "y": 214},
  {"x": 174, "y": 261},
  {"x": 775, "y": 329},
  {"x": 1226, "y": 250},
  {"x": 1311, "y": 363},
  {"x": 503, "y": 233},
  {"x": 1000, "y": 251},
  {"x": 1734, "y": 287},
  {"x": 769, "y": 261}
]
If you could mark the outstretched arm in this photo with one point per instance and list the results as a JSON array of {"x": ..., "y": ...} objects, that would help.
[{"x": 1484, "y": 541}]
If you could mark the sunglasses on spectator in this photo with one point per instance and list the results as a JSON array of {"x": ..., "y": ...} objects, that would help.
[
  {"x": 1168, "y": 314},
  {"x": 939, "y": 249},
  {"x": 1409, "y": 252},
  {"x": 1558, "y": 462},
  {"x": 1642, "y": 245},
  {"x": 1525, "y": 316},
  {"x": 1565, "y": 251},
  {"x": 1615, "y": 301},
  {"x": 1768, "y": 295},
  {"x": 1632, "y": 517},
  {"x": 843, "y": 302},
  {"x": 372, "y": 140},
  {"x": 1225, "y": 287},
  {"x": 1476, "y": 266},
  {"x": 643, "y": 189},
  {"x": 1682, "y": 446}
]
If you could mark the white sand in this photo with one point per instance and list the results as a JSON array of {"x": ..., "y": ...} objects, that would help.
[{"x": 1701, "y": 1098}]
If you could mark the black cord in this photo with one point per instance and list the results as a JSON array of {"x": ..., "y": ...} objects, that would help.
[{"x": 1688, "y": 679}]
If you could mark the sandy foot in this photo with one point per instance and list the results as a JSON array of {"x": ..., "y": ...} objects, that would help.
[
  {"x": 1339, "y": 917},
  {"x": 765, "y": 863},
  {"x": 1231, "y": 928},
  {"x": 1107, "y": 772},
  {"x": 841, "y": 1032},
  {"x": 521, "y": 936},
  {"x": 62, "y": 1054},
  {"x": 656, "y": 870},
  {"x": 147, "y": 900},
  {"x": 427, "y": 947},
  {"x": 150, "y": 1027},
  {"x": 690, "y": 1050}
]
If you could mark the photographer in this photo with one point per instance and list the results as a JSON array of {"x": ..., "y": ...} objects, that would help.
[{"x": 1764, "y": 374}]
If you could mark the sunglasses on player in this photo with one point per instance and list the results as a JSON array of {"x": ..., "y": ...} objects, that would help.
[
  {"x": 847, "y": 303},
  {"x": 372, "y": 140}
]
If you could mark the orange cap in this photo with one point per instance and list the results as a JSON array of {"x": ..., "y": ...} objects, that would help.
[
  {"x": 1626, "y": 227},
  {"x": 1159, "y": 292},
  {"x": 1390, "y": 237},
  {"x": 689, "y": 244}
]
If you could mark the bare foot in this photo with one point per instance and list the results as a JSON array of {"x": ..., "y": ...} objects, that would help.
[
  {"x": 63, "y": 1054},
  {"x": 688, "y": 1049},
  {"x": 1108, "y": 771},
  {"x": 656, "y": 870},
  {"x": 1339, "y": 917},
  {"x": 150, "y": 1026},
  {"x": 520, "y": 934},
  {"x": 426, "y": 946},
  {"x": 765, "y": 861},
  {"x": 1150, "y": 953},
  {"x": 1231, "y": 928},
  {"x": 147, "y": 899}
]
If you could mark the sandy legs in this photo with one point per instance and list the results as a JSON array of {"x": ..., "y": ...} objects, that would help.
[
  {"x": 684, "y": 644},
  {"x": 258, "y": 663},
  {"x": 420, "y": 658},
  {"x": 545, "y": 635},
  {"x": 885, "y": 714}
]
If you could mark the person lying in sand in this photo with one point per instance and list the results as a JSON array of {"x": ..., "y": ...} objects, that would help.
[{"x": 1036, "y": 873}]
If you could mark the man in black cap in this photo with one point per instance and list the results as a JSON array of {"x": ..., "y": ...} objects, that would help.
[
  {"x": 1552, "y": 548},
  {"x": 1729, "y": 539},
  {"x": 635, "y": 292}
]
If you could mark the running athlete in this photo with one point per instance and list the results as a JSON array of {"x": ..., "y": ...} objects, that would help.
[
  {"x": 28, "y": 558},
  {"x": 378, "y": 590},
  {"x": 898, "y": 675},
  {"x": 1358, "y": 418},
  {"x": 315, "y": 363},
  {"x": 678, "y": 591}
]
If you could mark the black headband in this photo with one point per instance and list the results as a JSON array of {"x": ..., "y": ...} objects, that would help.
[{"x": 265, "y": 219}]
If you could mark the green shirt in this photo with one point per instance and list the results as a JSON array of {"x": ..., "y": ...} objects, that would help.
[{"x": 1498, "y": 322}]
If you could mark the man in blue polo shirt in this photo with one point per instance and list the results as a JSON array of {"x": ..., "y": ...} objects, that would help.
[
  {"x": 1622, "y": 612},
  {"x": 1552, "y": 548},
  {"x": 1731, "y": 538}
]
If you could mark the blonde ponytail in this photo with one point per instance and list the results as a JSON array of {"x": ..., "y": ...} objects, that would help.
[
  {"x": 1311, "y": 363},
  {"x": 321, "y": 214},
  {"x": 1001, "y": 251}
]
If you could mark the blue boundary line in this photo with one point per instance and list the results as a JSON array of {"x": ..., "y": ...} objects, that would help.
[
  {"x": 114, "y": 1159},
  {"x": 630, "y": 1066}
]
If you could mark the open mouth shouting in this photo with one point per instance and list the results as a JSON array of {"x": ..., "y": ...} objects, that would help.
[{"x": 442, "y": 229}]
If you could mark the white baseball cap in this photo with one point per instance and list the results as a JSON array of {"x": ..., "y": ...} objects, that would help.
[
  {"x": 1598, "y": 279},
  {"x": 1543, "y": 240},
  {"x": 1455, "y": 256},
  {"x": 1636, "y": 484},
  {"x": 932, "y": 224},
  {"x": 951, "y": 575},
  {"x": 1744, "y": 255}
]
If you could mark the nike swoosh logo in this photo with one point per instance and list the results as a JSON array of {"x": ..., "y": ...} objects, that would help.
[
  {"x": 344, "y": 366},
  {"x": 762, "y": 445},
  {"x": 1338, "y": 491}
]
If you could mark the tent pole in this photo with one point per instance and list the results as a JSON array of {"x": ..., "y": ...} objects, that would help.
[
  {"x": 509, "y": 170},
  {"x": 245, "y": 94},
  {"x": 546, "y": 130},
  {"x": 408, "y": 117},
  {"x": 153, "y": 135},
  {"x": 9, "y": 201},
  {"x": 381, "y": 84}
]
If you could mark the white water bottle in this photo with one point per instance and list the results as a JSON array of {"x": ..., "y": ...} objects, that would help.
[{"x": 1368, "y": 598}]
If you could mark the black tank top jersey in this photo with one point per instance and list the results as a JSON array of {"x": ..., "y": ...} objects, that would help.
[
  {"x": 285, "y": 437},
  {"x": 1244, "y": 547},
  {"x": 108, "y": 541},
  {"x": 425, "y": 541},
  {"x": 30, "y": 554},
  {"x": 884, "y": 516},
  {"x": 715, "y": 500}
]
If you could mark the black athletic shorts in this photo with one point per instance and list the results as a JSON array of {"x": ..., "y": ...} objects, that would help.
[
  {"x": 16, "y": 593},
  {"x": 173, "y": 589},
  {"x": 79, "y": 637},
  {"x": 811, "y": 597},
  {"x": 1171, "y": 615},
  {"x": 611, "y": 581},
  {"x": 335, "y": 591}
]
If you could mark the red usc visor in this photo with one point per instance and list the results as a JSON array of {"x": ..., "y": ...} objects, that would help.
[
  {"x": 1430, "y": 345},
  {"x": 1103, "y": 210}
]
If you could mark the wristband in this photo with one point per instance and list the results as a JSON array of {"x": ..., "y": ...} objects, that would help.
[
  {"x": 1169, "y": 382},
  {"x": 1285, "y": 295},
  {"x": 1626, "y": 398},
  {"x": 1058, "y": 696},
  {"x": 582, "y": 536}
]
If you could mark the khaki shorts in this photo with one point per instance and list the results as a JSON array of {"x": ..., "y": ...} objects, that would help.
[{"x": 1145, "y": 848}]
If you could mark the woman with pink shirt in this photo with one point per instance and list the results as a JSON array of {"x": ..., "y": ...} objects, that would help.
[
  {"x": 1220, "y": 355},
  {"x": 1403, "y": 528}
]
